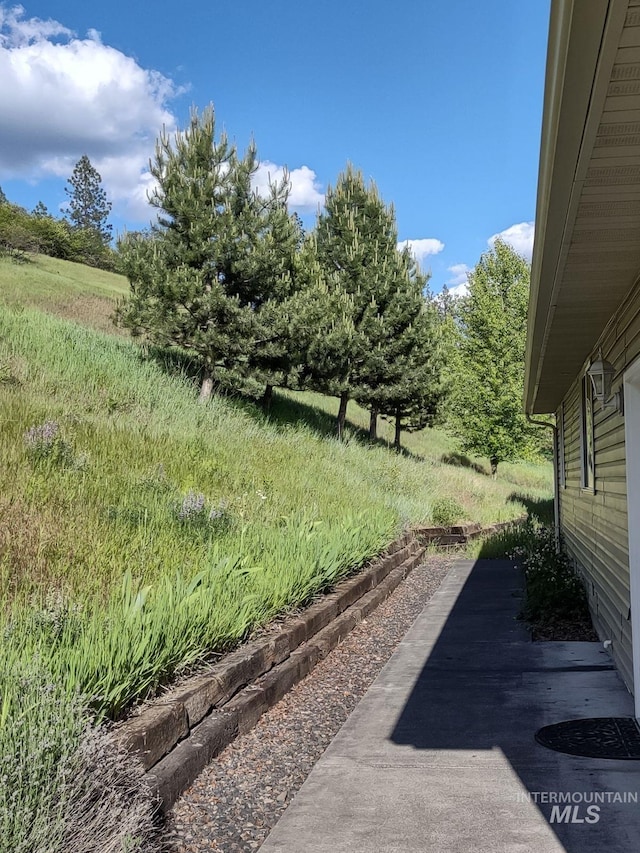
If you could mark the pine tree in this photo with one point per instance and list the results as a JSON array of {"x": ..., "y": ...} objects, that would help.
[
  {"x": 275, "y": 359},
  {"x": 404, "y": 378},
  {"x": 486, "y": 409},
  {"x": 3, "y": 198},
  {"x": 320, "y": 322},
  {"x": 356, "y": 239},
  {"x": 415, "y": 398},
  {"x": 219, "y": 257},
  {"x": 40, "y": 211},
  {"x": 89, "y": 207}
]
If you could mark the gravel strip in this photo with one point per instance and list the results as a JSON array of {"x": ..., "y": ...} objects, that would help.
[{"x": 239, "y": 797}]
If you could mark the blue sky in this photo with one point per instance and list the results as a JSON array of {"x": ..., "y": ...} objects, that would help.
[{"x": 438, "y": 101}]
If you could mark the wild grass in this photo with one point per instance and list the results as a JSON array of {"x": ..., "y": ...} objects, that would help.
[
  {"x": 74, "y": 291},
  {"x": 153, "y": 531},
  {"x": 141, "y": 533},
  {"x": 105, "y": 579}
]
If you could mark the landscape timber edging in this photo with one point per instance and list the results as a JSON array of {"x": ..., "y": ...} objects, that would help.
[
  {"x": 445, "y": 537},
  {"x": 176, "y": 735}
]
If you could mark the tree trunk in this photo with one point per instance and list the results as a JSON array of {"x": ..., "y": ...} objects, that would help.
[
  {"x": 342, "y": 414},
  {"x": 373, "y": 425},
  {"x": 494, "y": 467},
  {"x": 267, "y": 398},
  {"x": 207, "y": 386},
  {"x": 396, "y": 441}
]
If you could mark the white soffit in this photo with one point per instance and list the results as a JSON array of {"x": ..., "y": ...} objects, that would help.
[{"x": 587, "y": 252}]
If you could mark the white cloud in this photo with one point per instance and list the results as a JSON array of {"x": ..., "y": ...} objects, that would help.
[
  {"x": 459, "y": 273},
  {"x": 422, "y": 248},
  {"x": 519, "y": 236},
  {"x": 305, "y": 192},
  {"x": 61, "y": 97},
  {"x": 457, "y": 284}
]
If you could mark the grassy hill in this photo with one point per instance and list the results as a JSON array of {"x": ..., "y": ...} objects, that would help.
[
  {"x": 74, "y": 291},
  {"x": 140, "y": 530}
]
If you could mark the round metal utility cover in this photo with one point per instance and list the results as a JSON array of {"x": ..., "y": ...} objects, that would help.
[{"x": 599, "y": 737}]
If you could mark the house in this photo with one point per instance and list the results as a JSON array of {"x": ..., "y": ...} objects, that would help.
[{"x": 584, "y": 313}]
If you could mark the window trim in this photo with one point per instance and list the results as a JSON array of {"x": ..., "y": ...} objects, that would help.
[{"x": 587, "y": 440}]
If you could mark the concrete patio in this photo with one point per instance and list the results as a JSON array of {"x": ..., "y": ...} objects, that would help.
[{"x": 440, "y": 754}]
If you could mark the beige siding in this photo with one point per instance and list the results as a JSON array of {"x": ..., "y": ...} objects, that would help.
[{"x": 594, "y": 524}]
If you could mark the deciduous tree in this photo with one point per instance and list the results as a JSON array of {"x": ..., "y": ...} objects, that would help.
[{"x": 486, "y": 406}]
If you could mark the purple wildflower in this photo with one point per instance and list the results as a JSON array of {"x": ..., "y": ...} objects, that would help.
[
  {"x": 42, "y": 437},
  {"x": 192, "y": 506}
]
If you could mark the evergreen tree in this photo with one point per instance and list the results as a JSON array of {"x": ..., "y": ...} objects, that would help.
[
  {"x": 407, "y": 384},
  {"x": 486, "y": 409},
  {"x": 275, "y": 356},
  {"x": 356, "y": 244},
  {"x": 400, "y": 373},
  {"x": 414, "y": 399},
  {"x": 218, "y": 258},
  {"x": 89, "y": 208},
  {"x": 3, "y": 198},
  {"x": 40, "y": 211},
  {"x": 320, "y": 322}
]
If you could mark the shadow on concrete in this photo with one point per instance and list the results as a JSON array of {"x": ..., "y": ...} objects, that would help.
[{"x": 484, "y": 688}]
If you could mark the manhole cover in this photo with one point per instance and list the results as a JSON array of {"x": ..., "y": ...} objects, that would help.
[{"x": 600, "y": 737}]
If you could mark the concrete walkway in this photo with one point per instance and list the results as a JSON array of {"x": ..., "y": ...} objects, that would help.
[{"x": 440, "y": 754}]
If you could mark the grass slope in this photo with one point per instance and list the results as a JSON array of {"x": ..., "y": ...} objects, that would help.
[
  {"x": 114, "y": 575},
  {"x": 74, "y": 291}
]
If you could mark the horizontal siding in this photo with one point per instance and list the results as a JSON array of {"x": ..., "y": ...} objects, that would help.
[{"x": 595, "y": 524}]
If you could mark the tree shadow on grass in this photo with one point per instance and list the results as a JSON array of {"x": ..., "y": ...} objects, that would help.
[
  {"x": 173, "y": 361},
  {"x": 286, "y": 411},
  {"x": 538, "y": 509},
  {"x": 505, "y": 542},
  {"x": 462, "y": 461}
]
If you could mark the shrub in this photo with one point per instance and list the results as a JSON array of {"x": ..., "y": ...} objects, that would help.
[
  {"x": 64, "y": 787},
  {"x": 446, "y": 511},
  {"x": 555, "y": 590},
  {"x": 44, "y": 443}
]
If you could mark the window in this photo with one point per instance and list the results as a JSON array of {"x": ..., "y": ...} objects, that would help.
[
  {"x": 562, "y": 475},
  {"x": 586, "y": 436}
]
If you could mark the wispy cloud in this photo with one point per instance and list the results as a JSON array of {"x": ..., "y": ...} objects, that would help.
[{"x": 16, "y": 31}]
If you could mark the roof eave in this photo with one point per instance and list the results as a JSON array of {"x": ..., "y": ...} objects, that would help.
[{"x": 575, "y": 42}]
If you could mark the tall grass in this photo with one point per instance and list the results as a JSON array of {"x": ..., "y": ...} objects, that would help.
[
  {"x": 122, "y": 650},
  {"x": 106, "y": 580},
  {"x": 141, "y": 533},
  {"x": 71, "y": 290},
  {"x": 145, "y": 444}
]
